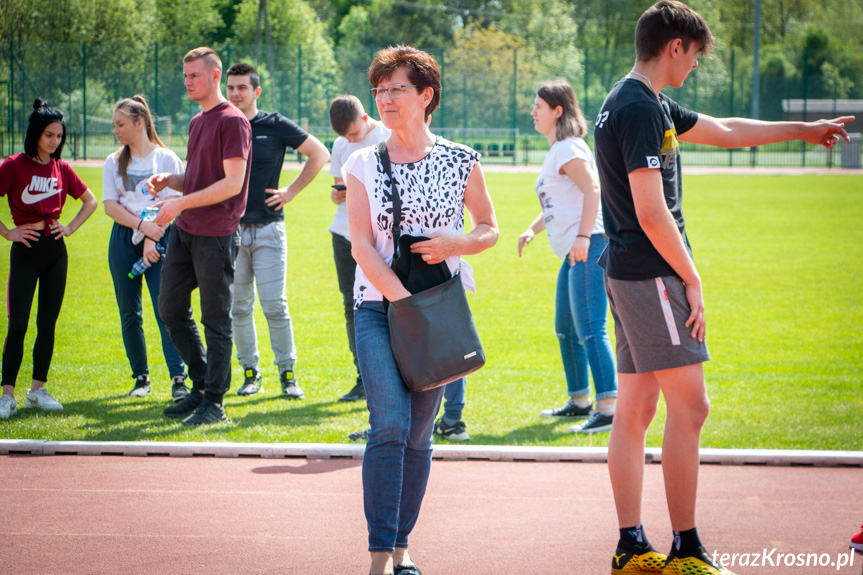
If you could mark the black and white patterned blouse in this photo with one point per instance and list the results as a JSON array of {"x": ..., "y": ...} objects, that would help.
[{"x": 432, "y": 193}]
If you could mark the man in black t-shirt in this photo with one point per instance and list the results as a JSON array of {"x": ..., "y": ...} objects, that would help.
[
  {"x": 653, "y": 287},
  {"x": 262, "y": 258}
]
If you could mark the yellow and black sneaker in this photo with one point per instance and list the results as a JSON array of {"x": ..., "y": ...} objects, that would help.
[
  {"x": 647, "y": 561},
  {"x": 698, "y": 562}
]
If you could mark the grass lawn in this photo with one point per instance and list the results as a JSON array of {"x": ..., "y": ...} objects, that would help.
[{"x": 780, "y": 257}]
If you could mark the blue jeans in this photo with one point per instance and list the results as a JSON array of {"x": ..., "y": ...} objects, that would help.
[
  {"x": 122, "y": 255},
  {"x": 204, "y": 263},
  {"x": 580, "y": 318},
  {"x": 262, "y": 260},
  {"x": 453, "y": 394},
  {"x": 398, "y": 454}
]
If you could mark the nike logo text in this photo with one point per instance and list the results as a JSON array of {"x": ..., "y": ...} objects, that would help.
[{"x": 47, "y": 187}]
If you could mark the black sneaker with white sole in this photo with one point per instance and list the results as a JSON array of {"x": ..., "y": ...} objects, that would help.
[
  {"x": 206, "y": 414},
  {"x": 598, "y": 423},
  {"x": 179, "y": 391},
  {"x": 568, "y": 410},
  {"x": 186, "y": 407},
  {"x": 356, "y": 393},
  {"x": 290, "y": 388},
  {"x": 454, "y": 432},
  {"x": 142, "y": 387},
  {"x": 253, "y": 383}
]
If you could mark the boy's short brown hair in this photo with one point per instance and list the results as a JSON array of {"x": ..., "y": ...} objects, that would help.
[
  {"x": 344, "y": 111},
  {"x": 668, "y": 20}
]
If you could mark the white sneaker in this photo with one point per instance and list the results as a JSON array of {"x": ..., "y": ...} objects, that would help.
[
  {"x": 43, "y": 400},
  {"x": 8, "y": 407}
]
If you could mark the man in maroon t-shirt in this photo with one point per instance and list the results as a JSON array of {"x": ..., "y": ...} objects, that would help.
[{"x": 204, "y": 243}]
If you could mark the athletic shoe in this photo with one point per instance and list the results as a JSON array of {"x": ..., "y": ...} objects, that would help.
[
  {"x": 625, "y": 561},
  {"x": 568, "y": 410},
  {"x": 356, "y": 393},
  {"x": 186, "y": 407},
  {"x": 8, "y": 407},
  {"x": 455, "y": 432},
  {"x": 290, "y": 389},
  {"x": 359, "y": 435},
  {"x": 207, "y": 413},
  {"x": 856, "y": 541},
  {"x": 142, "y": 387},
  {"x": 253, "y": 383},
  {"x": 179, "y": 391},
  {"x": 696, "y": 563},
  {"x": 598, "y": 423},
  {"x": 43, "y": 400}
]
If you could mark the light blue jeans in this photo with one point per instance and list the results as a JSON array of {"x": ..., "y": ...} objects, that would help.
[
  {"x": 262, "y": 260},
  {"x": 580, "y": 322},
  {"x": 398, "y": 454}
]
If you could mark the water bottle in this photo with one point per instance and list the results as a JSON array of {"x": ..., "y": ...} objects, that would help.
[
  {"x": 149, "y": 214},
  {"x": 141, "y": 266}
]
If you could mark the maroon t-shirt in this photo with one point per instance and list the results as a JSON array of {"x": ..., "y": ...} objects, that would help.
[
  {"x": 37, "y": 192},
  {"x": 218, "y": 134}
]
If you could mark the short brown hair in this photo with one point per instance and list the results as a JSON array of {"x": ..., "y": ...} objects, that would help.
[
  {"x": 344, "y": 111},
  {"x": 668, "y": 20},
  {"x": 571, "y": 122},
  {"x": 204, "y": 52},
  {"x": 421, "y": 67},
  {"x": 244, "y": 69}
]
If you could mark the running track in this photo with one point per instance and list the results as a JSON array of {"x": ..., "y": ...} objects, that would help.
[{"x": 212, "y": 515}]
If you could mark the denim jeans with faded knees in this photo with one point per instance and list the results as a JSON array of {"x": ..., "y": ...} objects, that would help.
[
  {"x": 262, "y": 260},
  {"x": 398, "y": 454},
  {"x": 122, "y": 255},
  {"x": 580, "y": 322},
  {"x": 207, "y": 264},
  {"x": 346, "y": 269}
]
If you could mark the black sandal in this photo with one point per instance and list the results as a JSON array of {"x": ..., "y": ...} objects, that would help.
[{"x": 406, "y": 570}]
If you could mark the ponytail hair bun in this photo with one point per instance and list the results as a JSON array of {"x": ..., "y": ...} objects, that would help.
[{"x": 38, "y": 103}]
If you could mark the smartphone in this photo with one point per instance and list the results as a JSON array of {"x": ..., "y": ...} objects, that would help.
[{"x": 339, "y": 187}]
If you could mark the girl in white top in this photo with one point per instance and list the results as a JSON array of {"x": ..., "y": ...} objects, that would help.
[
  {"x": 568, "y": 191},
  {"x": 124, "y": 196}
]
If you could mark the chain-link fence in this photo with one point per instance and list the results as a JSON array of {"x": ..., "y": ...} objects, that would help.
[{"x": 486, "y": 101}]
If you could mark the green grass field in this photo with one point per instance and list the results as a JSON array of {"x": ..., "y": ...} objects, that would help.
[{"x": 781, "y": 261}]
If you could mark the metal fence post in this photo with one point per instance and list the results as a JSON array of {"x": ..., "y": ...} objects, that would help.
[
  {"x": 442, "y": 100},
  {"x": 84, "y": 100},
  {"x": 805, "y": 96},
  {"x": 156, "y": 77},
  {"x": 514, "y": 102},
  {"x": 299, "y": 83},
  {"x": 11, "y": 97}
]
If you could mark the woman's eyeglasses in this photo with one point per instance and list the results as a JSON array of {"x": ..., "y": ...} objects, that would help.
[{"x": 395, "y": 91}]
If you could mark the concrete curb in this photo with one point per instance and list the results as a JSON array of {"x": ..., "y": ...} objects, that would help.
[{"x": 772, "y": 457}]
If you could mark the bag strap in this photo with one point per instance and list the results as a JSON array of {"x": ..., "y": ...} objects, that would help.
[{"x": 397, "y": 200}]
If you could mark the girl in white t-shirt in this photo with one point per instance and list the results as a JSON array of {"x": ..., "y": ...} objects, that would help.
[
  {"x": 124, "y": 195},
  {"x": 568, "y": 191}
]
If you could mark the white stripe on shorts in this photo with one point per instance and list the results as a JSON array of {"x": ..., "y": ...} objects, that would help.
[{"x": 666, "y": 311}]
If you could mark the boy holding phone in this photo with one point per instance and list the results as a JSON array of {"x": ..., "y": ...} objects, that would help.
[{"x": 356, "y": 130}]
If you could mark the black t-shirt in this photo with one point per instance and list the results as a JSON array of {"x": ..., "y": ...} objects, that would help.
[
  {"x": 633, "y": 131},
  {"x": 271, "y": 135}
]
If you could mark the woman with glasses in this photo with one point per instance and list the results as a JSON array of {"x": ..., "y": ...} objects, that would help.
[
  {"x": 436, "y": 180},
  {"x": 568, "y": 190},
  {"x": 37, "y": 183}
]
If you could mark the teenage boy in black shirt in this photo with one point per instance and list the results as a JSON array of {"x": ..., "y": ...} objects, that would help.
[
  {"x": 653, "y": 287},
  {"x": 263, "y": 253}
]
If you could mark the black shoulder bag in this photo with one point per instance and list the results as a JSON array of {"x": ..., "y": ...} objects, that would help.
[{"x": 432, "y": 332}]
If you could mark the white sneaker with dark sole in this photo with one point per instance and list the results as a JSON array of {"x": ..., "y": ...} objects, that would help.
[{"x": 41, "y": 399}]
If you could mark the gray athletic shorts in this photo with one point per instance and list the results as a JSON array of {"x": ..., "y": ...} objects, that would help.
[{"x": 648, "y": 325}]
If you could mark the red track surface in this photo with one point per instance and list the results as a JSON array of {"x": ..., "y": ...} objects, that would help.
[{"x": 154, "y": 515}]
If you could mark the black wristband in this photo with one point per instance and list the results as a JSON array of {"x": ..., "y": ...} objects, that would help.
[
  {"x": 582, "y": 236},
  {"x": 139, "y": 224}
]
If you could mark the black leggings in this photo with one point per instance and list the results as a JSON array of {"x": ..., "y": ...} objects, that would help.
[{"x": 44, "y": 263}]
